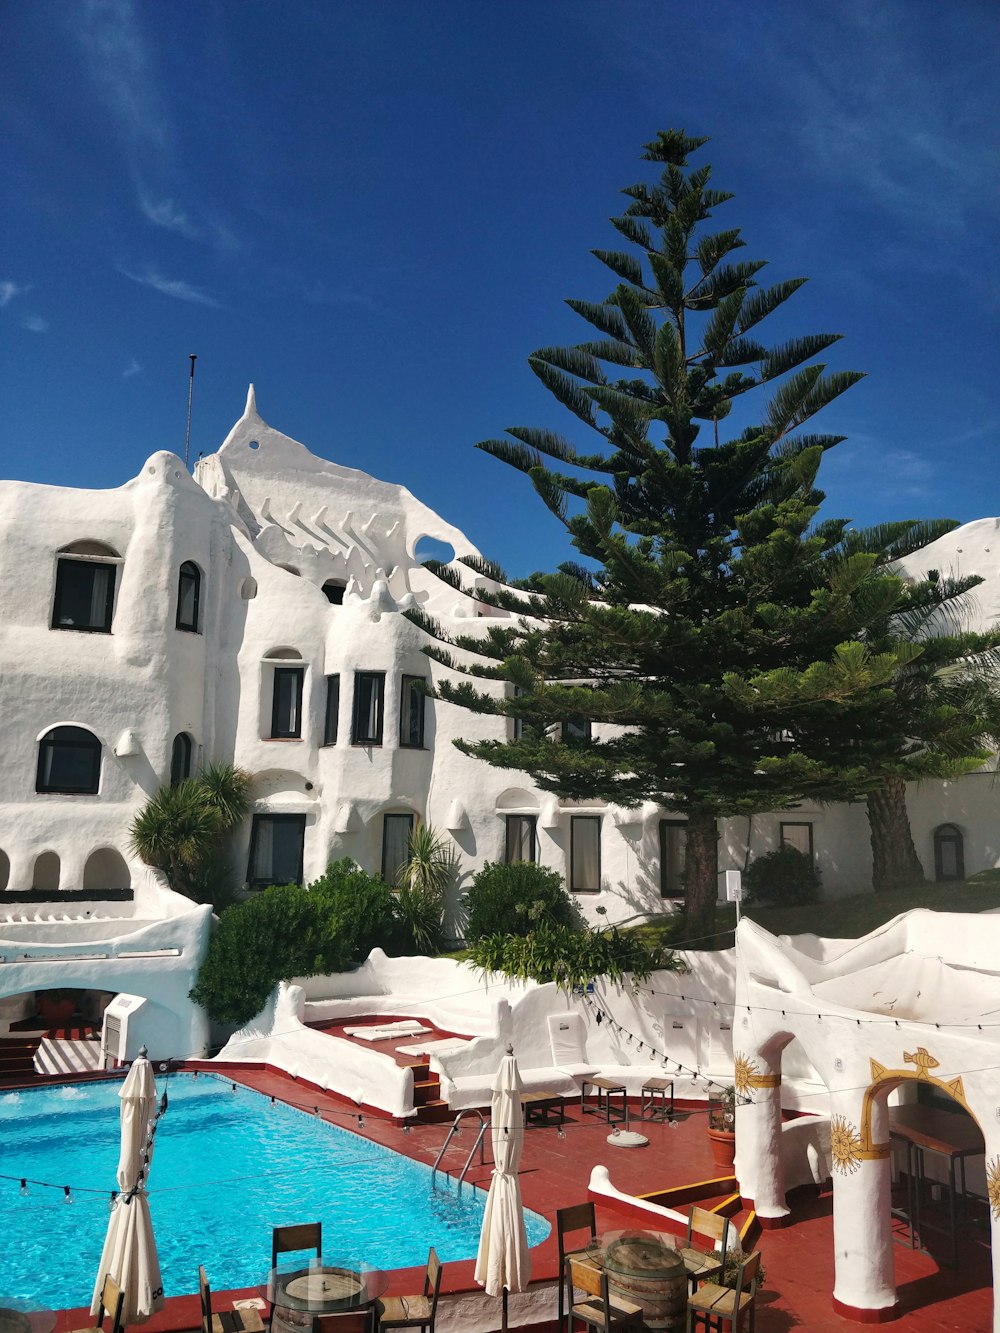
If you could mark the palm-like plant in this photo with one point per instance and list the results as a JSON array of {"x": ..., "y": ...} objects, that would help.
[{"x": 422, "y": 882}]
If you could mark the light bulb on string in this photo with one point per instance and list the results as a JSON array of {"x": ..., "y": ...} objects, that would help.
[
  {"x": 113, "y": 1200},
  {"x": 24, "y": 1189},
  {"x": 361, "y": 1122},
  {"x": 67, "y": 1195}
]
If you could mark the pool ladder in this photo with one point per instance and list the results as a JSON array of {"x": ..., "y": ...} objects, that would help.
[{"x": 484, "y": 1124}]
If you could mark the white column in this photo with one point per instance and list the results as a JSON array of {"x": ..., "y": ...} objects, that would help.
[
  {"x": 995, "y": 1239},
  {"x": 862, "y": 1226},
  {"x": 759, "y": 1166}
]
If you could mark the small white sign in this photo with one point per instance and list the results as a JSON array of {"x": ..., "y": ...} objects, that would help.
[{"x": 734, "y": 886}]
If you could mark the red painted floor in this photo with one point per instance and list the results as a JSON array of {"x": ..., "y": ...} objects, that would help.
[{"x": 555, "y": 1172}]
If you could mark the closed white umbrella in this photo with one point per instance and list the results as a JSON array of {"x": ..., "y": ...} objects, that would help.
[
  {"x": 503, "y": 1263},
  {"x": 129, "y": 1249}
]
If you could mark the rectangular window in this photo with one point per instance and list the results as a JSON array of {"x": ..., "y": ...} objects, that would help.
[
  {"x": 411, "y": 713},
  {"x": 673, "y": 848},
  {"x": 396, "y": 831},
  {"x": 520, "y": 841},
  {"x": 799, "y": 836},
  {"x": 276, "y": 843},
  {"x": 517, "y": 723},
  {"x": 576, "y": 729},
  {"x": 85, "y": 596},
  {"x": 332, "y": 710},
  {"x": 286, "y": 703},
  {"x": 369, "y": 706},
  {"x": 585, "y": 853}
]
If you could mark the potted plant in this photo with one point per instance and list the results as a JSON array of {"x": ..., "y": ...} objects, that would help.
[{"x": 722, "y": 1126}]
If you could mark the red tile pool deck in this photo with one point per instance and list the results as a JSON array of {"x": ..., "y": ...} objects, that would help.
[{"x": 798, "y": 1258}]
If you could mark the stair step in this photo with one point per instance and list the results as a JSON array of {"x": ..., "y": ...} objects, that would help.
[{"x": 434, "y": 1113}]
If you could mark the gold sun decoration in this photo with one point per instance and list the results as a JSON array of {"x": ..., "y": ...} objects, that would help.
[
  {"x": 993, "y": 1186},
  {"x": 845, "y": 1145},
  {"x": 743, "y": 1071}
]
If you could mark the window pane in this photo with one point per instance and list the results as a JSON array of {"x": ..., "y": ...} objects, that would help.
[
  {"x": 180, "y": 759},
  {"x": 187, "y": 597},
  {"x": 411, "y": 719},
  {"x": 276, "y": 849},
  {"x": 576, "y": 729},
  {"x": 520, "y": 838},
  {"x": 673, "y": 848},
  {"x": 332, "y": 710},
  {"x": 286, "y": 710},
  {"x": 585, "y": 852},
  {"x": 396, "y": 830},
  {"x": 69, "y": 760},
  {"x": 798, "y": 836},
  {"x": 369, "y": 690},
  {"x": 84, "y": 595}
]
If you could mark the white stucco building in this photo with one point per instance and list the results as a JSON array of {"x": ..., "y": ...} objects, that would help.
[{"x": 252, "y": 613}]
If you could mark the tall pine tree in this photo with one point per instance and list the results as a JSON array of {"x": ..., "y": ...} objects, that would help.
[{"x": 721, "y": 652}]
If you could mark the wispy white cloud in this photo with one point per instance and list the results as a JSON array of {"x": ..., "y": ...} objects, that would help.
[
  {"x": 133, "y": 368},
  {"x": 166, "y": 213},
  {"x": 35, "y": 324},
  {"x": 175, "y": 287},
  {"x": 9, "y": 291}
]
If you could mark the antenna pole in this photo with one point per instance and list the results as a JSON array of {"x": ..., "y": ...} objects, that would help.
[{"x": 187, "y": 437}]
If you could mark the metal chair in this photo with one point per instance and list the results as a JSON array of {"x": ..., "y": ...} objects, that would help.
[
  {"x": 711, "y": 1306},
  {"x": 603, "y": 1313},
  {"x": 576, "y": 1218},
  {"x": 112, "y": 1302},
  {"x": 413, "y": 1311},
  {"x": 229, "y": 1321},
  {"x": 702, "y": 1265}
]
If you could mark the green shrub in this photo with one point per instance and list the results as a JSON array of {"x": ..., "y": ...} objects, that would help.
[
  {"x": 572, "y": 957},
  {"x": 361, "y": 907},
  {"x": 283, "y": 932},
  {"x": 785, "y": 877},
  {"x": 515, "y": 899}
]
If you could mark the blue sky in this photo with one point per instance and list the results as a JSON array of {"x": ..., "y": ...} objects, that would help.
[{"x": 376, "y": 213}]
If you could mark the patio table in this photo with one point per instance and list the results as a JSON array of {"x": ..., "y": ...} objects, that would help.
[
  {"x": 321, "y": 1288},
  {"x": 18, "y": 1316}
]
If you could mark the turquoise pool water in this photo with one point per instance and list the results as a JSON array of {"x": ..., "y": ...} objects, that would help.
[{"x": 228, "y": 1167}]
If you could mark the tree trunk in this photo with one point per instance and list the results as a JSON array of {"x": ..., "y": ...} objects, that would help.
[
  {"x": 895, "y": 863},
  {"x": 701, "y": 876}
]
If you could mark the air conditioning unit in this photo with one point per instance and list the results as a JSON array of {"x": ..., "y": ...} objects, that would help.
[{"x": 116, "y": 1046}]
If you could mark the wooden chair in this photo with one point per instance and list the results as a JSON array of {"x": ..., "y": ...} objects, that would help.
[
  {"x": 711, "y": 1305},
  {"x": 305, "y": 1236},
  {"x": 413, "y": 1311},
  {"x": 601, "y": 1313},
  {"x": 577, "y": 1218},
  {"x": 230, "y": 1321},
  {"x": 700, "y": 1264},
  {"x": 112, "y": 1302},
  {"x": 350, "y": 1321}
]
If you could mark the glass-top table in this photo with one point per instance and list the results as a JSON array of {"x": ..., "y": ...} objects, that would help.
[
  {"x": 325, "y": 1287},
  {"x": 17, "y": 1316}
]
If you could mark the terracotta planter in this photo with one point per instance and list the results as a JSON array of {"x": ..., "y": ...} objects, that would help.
[{"x": 723, "y": 1143}]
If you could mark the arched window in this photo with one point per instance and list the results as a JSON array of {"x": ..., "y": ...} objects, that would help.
[
  {"x": 85, "y": 587},
  {"x": 188, "y": 596},
  {"x": 333, "y": 591},
  {"x": 45, "y": 873},
  {"x": 180, "y": 758},
  {"x": 69, "y": 762},
  {"x": 4, "y": 869},
  {"x": 949, "y": 852},
  {"x": 106, "y": 869}
]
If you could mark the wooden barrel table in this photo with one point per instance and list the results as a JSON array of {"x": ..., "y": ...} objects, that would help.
[
  {"x": 325, "y": 1290},
  {"x": 644, "y": 1267}
]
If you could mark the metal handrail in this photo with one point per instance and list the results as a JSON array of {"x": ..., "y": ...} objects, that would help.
[{"x": 456, "y": 1123}]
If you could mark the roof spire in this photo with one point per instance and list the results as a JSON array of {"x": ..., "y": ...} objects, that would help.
[{"x": 251, "y": 408}]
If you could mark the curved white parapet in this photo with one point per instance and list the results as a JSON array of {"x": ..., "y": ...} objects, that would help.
[
  {"x": 278, "y": 1037},
  {"x": 600, "y": 1183}
]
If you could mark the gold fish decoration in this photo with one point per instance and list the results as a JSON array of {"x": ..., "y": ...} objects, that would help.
[{"x": 923, "y": 1060}]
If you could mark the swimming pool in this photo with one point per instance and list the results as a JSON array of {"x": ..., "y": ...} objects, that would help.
[{"x": 228, "y": 1167}]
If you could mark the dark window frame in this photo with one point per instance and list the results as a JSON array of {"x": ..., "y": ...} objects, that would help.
[
  {"x": 181, "y": 741},
  {"x": 394, "y": 814},
  {"x": 48, "y": 742},
  {"x": 949, "y": 833},
  {"x": 189, "y": 573},
  {"x": 584, "y": 726},
  {"x": 256, "y": 820},
  {"x": 669, "y": 892},
  {"x": 293, "y": 730},
  {"x": 406, "y": 692},
  {"x": 796, "y": 823},
  {"x": 60, "y": 594},
  {"x": 331, "y": 712},
  {"x": 377, "y": 679},
  {"x": 573, "y": 822},
  {"x": 508, "y": 823},
  {"x": 336, "y": 587}
]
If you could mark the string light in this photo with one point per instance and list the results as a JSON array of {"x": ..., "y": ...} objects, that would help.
[
  {"x": 67, "y": 1195},
  {"x": 24, "y": 1187}
]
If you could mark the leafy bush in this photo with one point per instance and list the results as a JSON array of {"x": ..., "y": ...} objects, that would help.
[
  {"x": 420, "y": 913},
  {"x": 283, "y": 932},
  {"x": 572, "y": 957},
  {"x": 515, "y": 899},
  {"x": 423, "y": 880},
  {"x": 785, "y": 877},
  {"x": 362, "y": 908}
]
